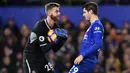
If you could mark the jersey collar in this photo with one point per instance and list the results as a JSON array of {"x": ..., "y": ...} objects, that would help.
[{"x": 47, "y": 24}]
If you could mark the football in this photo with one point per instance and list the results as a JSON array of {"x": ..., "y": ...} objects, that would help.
[{"x": 51, "y": 36}]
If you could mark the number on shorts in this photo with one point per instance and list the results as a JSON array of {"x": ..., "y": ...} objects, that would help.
[
  {"x": 49, "y": 66},
  {"x": 75, "y": 69}
]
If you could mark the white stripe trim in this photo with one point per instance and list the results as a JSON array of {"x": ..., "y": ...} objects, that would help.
[
  {"x": 47, "y": 24},
  {"x": 43, "y": 44},
  {"x": 29, "y": 69}
]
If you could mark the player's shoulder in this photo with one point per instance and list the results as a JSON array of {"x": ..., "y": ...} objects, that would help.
[
  {"x": 97, "y": 23},
  {"x": 37, "y": 31},
  {"x": 38, "y": 24}
]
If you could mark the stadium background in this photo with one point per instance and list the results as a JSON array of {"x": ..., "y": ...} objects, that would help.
[{"x": 17, "y": 17}]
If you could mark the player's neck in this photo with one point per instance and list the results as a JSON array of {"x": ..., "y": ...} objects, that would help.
[
  {"x": 93, "y": 18},
  {"x": 50, "y": 22}
]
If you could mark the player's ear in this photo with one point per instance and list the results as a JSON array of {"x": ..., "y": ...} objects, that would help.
[
  {"x": 90, "y": 12},
  {"x": 49, "y": 12}
]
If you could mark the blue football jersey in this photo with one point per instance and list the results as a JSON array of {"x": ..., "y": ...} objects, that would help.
[{"x": 91, "y": 44}]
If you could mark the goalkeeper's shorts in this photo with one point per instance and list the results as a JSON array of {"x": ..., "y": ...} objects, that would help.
[{"x": 37, "y": 66}]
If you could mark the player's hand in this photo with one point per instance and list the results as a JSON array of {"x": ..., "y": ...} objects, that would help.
[
  {"x": 78, "y": 59},
  {"x": 61, "y": 33}
]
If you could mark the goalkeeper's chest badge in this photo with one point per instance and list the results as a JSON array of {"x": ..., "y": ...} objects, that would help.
[{"x": 41, "y": 38}]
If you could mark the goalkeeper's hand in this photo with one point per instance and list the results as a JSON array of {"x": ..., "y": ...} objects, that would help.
[{"x": 61, "y": 33}]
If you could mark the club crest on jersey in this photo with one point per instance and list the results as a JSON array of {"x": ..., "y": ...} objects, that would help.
[{"x": 41, "y": 38}]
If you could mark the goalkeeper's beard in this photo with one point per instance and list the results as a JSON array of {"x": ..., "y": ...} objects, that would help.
[{"x": 54, "y": 18}]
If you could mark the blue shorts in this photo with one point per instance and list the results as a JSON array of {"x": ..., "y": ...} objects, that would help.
[{"x": 80, "y": 69}]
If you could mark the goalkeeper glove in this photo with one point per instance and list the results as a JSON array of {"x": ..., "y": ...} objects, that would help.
[{"x": 57, "y": 35}]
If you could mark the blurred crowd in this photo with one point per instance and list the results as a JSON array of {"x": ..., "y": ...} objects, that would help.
[
  {"x": 63, "y": 2},
  {"x": 114, "y": 56}
]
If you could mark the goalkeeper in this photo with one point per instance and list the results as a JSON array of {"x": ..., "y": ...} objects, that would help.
[{"x": 45, "y": 35}]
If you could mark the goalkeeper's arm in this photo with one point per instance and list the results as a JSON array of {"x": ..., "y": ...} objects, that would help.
[
  {"x": 55, "y": 46},
  {"x": 61, "y": 36},
  {"x": 59, "y": 44}
]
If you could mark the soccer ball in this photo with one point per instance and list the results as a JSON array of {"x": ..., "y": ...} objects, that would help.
[{"x": 51, "y": 36}]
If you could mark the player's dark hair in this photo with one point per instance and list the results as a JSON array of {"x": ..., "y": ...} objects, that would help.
[
  {"x": 91, "y": 6},
  {"x": 51, "y": 5}
]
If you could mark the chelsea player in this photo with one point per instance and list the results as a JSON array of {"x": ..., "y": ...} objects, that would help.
[{"x": 91, "y": 43}]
